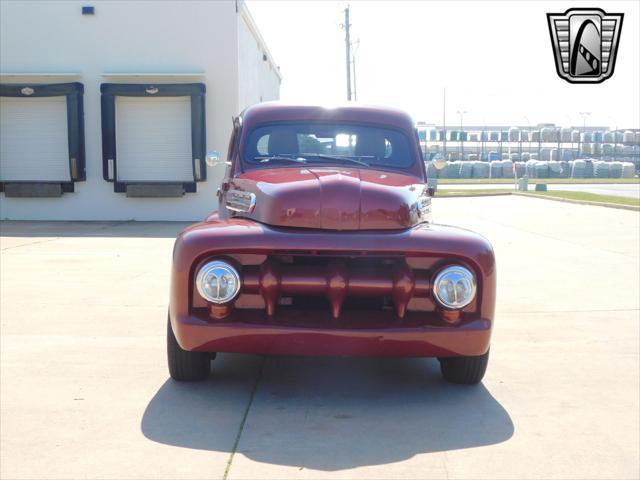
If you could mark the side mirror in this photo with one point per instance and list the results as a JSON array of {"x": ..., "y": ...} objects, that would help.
[{"x": 213, "y": 159}]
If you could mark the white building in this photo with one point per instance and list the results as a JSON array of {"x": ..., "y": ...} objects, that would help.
[{"x": 107, "y": 108}]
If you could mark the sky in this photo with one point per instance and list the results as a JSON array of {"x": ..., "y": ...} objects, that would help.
[{"x": 494, "y": 59}]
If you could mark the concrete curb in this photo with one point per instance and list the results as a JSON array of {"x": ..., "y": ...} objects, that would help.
[
  {"x": 534, "y": 181},
  {"x": 580, "y": 202},
  {"x": 465, "y": 195},
  {"x": 544, "y": 197}
]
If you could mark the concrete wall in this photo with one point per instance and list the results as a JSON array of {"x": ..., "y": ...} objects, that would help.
[
  {"x": 196, "y": 38},
  {"x": 259, "y": 80}
]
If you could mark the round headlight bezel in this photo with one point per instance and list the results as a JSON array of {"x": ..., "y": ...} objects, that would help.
[
  {"x": 218, "y": 268},
  {"x": 465, "y": 273}
]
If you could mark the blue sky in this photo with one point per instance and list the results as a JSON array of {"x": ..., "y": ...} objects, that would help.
[{"x": 494, "y": 58}]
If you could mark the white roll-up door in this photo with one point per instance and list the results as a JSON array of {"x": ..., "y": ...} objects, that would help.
[
  {"x": 34, "y": 139},
  {"x": 153, "y": 139}
]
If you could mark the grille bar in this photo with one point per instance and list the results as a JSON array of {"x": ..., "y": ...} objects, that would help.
[{"x": 335, "y": 281}]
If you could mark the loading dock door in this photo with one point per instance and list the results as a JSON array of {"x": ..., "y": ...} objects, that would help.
[
  {"x": 153, "y": 139},
  {"x": 34, "y": 141}
]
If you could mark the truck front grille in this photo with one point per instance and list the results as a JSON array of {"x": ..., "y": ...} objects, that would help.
[{"x": 336, "y": 282}]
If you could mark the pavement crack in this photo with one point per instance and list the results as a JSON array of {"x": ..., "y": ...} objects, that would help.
[
  {"x": 91, "y": 233},
  {"x": 244, "y": 418},
  {"x": 47, "y": 240}
]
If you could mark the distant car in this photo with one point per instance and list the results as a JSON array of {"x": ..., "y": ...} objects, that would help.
[{"x": 323, "y": 245}]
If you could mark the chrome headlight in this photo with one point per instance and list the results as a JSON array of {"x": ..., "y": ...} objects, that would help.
[
  {"x": 420, "y": 211},
  {"x": 454, "y": 287},
  {"x": 218, "y": 282}
]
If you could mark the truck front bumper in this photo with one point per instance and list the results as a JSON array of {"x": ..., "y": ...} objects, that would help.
[
  {"x": 308, "y": 332},
  {"x": 472, "y": 338}
]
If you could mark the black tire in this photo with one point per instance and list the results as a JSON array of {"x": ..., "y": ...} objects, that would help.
[
  {"x": 185, "y": 366},
  {"x": 464, "y": 370}
]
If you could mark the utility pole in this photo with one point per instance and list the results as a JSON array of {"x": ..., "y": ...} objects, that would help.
[
  {"x": 347, "y": 25},
  {"x": 530, "y": 134},
  {"x": 444, "y": 123}
]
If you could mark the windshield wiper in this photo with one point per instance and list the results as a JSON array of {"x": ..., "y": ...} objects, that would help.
[
  {"x": 337, "y": 158},
  {"x": 269, "y": 158}
]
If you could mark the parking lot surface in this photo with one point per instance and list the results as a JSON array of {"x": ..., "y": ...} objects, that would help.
[{"x": 85, "y": 393}]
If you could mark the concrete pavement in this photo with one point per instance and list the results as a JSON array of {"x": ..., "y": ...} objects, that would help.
[{"x": 84, "y": 390}]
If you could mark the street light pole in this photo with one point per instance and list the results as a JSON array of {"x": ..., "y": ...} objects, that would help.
[
  {"x": 461, "y": 113},
  {"x": 483, "y": 143},
  {"x": 530, "y": 132},
  {"x": 584, "y": 116},
  {"x": 570, "y": 125},
  {"x": 615, "y": 140}
]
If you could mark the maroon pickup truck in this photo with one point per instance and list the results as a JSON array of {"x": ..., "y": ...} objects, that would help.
[{"x": 323, "y": 244}]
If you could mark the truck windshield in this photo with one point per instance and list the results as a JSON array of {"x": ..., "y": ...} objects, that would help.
[{"x": 330, "y": 144}]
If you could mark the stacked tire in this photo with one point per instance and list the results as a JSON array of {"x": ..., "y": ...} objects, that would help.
[
  {"x": 480, "y": 170},
  {"x": 615, "y": 170},
  {"x": 601, "y": 170},
  {"x": 542, "y": 170},
  {"x": 565, "y": 169},
  {"x": 628, "y": 170},
  {"x": 466, "y": 170},
  {"x": 521, "y": 169},
  {"x": 507, "y": 169},
  {"x": 555, "y": 170},
  {"x": 495, "y": 168}
]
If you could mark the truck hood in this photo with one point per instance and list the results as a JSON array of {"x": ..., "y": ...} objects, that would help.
[{"x": 334, "y": 198}]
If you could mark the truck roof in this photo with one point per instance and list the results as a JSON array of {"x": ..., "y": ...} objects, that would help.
[{"x": 281, "y": 112}]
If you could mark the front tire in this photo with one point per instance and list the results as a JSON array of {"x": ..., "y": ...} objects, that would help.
[
  {"x": 185, "y": 366},
  {"x": 464, "y": 370}
]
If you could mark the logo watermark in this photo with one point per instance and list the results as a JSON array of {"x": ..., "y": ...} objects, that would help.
[{"x": 585, "y": 43}]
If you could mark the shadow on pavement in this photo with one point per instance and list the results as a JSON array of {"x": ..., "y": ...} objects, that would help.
[
  {"x": 11, "y": 228},
  {"x": 327, "y": 413}
]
